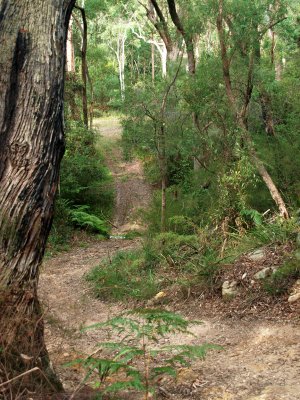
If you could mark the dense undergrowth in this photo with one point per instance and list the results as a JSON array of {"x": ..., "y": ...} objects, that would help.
[
  {"x": 193, "y": 263},
  {"x": 199, "y": 135},
  {"x": 85, "y": 197},
  {"x": 212, "y": 202}
]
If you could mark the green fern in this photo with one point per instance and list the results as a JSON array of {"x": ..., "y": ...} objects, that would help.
[
  {"x": 83, "y": 219},
  {"x": 137, "y": 359},
  {"x": 253, "y": 215}
]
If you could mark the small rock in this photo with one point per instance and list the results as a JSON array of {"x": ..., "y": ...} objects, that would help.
[
  {"x": 264, "y": 273},
  {"x": 257, "y": 255},
  {"x": 297, "y": 255},
  {"x": 295, "y": 293},
  {"x": 244, "y": 275},
  {"x": 158, "y": 298},
  {"x": 186, "y": 375},
  {"x": 229, "y": 289},
  {"x": 294, "y": 297},
  {"x": 26, "y": 358},
  {"x": 160, "y": 295},
  {"x": 298, "y": 239}
]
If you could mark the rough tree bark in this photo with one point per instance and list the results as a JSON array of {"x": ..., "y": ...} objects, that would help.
[{"x": 33, "y": 41}]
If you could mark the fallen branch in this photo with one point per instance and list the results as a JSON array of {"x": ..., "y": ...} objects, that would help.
[{"x": 20, "y": 376}]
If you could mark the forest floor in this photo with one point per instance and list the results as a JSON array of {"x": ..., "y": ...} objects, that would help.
[{"x": 260, "y": 359}]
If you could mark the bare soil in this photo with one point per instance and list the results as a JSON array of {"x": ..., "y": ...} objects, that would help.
[
  {"x": 260, "y": 359},
  {"x": 132, "y": 192}
]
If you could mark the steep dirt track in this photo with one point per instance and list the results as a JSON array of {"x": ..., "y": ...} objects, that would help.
[
  {"x": 133, "y": 193},
  {"x": 260, "y": 360}
]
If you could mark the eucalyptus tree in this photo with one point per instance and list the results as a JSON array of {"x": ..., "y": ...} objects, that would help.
[
  {"x": 33, "y": 41},
  {"x": 239, "y": 107}
]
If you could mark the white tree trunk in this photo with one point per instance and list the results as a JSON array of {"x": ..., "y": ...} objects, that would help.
[
  {"x": 120, "y": 53},
  {"x": 161, "y": 47},
  {"x": 70, "y": 62},
  {"x": 164, "y": 58}
]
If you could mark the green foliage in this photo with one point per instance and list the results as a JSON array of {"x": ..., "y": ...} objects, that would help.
[
  {"x": 86, "y": 193},
  {"x": 253, "y": 216},
  {"x": 138, "y": 359},
  {"x": 276, "y": 231},
  {"x": 61, "y": 231},
  {"x": 127, "y": 274},
  {"x": 83, "y": 219},
  {"x": 165, "y": 260},
  {"x": 182, "y": 225},
  {"x": 84, "y": 178},
  {"x": 213, "y": 185},
  {"x": 281, "y": 280},
  {"x": 234, "y": 187},
  {"x": 273, "y": 232}
]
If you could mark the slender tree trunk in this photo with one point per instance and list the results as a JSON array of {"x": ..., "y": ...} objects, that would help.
[
  {"x": 163, "y": 52},
  {"x": 91, "y": 109},
  {"x": 241, "y": 117},
  {"x": 153, "y": 61},
  {"x": 162, "y": 149},
  {"x": 189, "y": 43},
  {"x": 70, "y": 62},
  {"x": 156, "y": 17},
  {"x": 187, "y": 37},
  {"x": 84, "y": 69},
  {"x": 120, "y": 53},
  {"x": 164, "y": 59},
  {"x": 267, "y": 115},
  {"x": 33, "y": 41},
  {"x": 162, "y": 159},
  {"x": 265, "y": 101},
  {"x": 163, "y": 203}
]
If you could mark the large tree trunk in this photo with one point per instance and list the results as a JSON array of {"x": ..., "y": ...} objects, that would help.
[{"x": 33, "y": 40}]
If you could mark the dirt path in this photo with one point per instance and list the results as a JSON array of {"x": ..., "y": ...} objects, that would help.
[
  {"x": 68, "y": 301},
  {"x": 260, "y": 360},
  {"x": 133, "y": 193},
  {"x": 69, "y": 304}
]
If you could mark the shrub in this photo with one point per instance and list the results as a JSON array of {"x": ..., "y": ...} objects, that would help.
[
  {"x": 61, "y": 230},
  {"x": 86, "y": 193},
  {"x": 182, "y": 225},
  {"x": 137, "y": 360},
  {"x": 128, "y": 274},
  {"x": 80, "y": 217},
  {"x": 281, "y": 280},
  {"x": 84, "y": 178}
]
